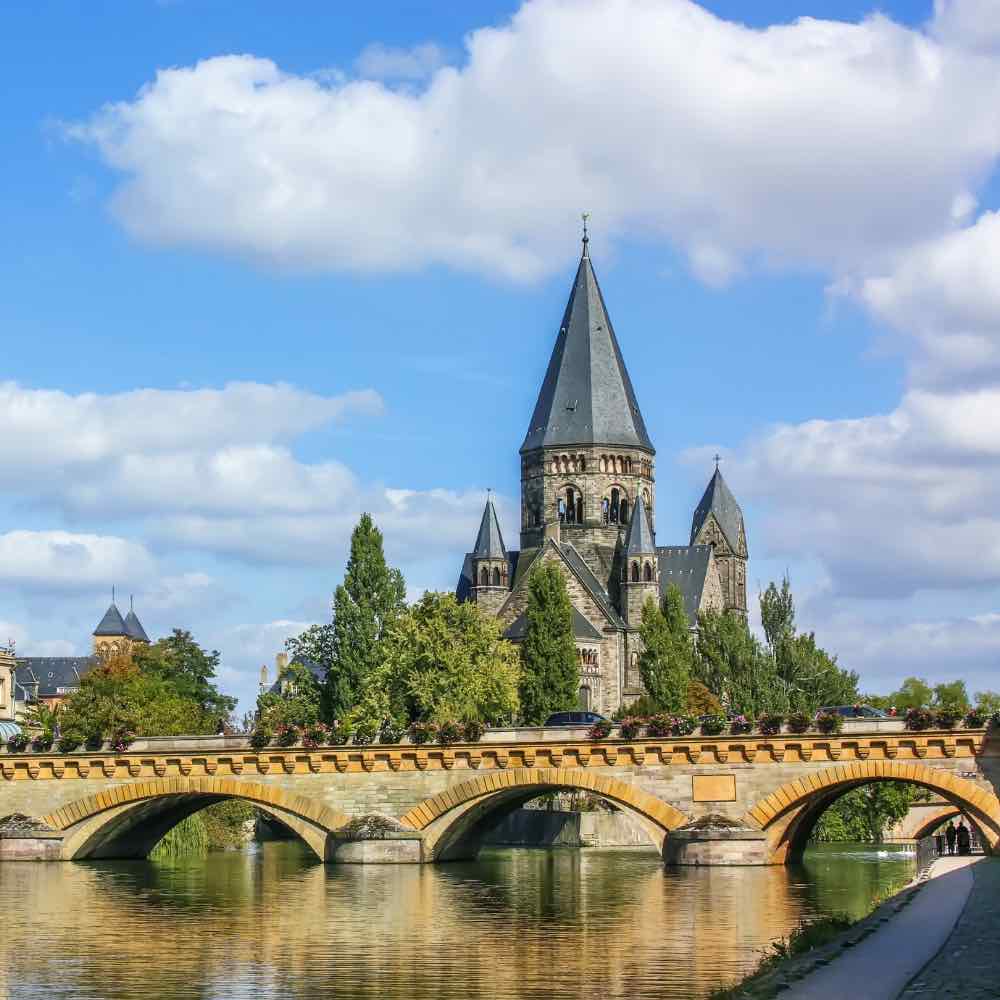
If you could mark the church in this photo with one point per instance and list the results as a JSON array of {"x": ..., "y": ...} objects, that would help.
[{"x": 588, "y": 504}]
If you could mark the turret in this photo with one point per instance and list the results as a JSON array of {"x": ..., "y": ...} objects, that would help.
[
  {"x": 489, "y": 563},
  {"x": 115, "y": 634},
  {"x": 718, "y": 521},
  {"x": 640, "y": 571}
]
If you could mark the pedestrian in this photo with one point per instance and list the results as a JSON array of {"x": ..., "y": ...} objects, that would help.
[
  {"x": 939, "y": 844},
  {"x": 950, "y": 834},
  {"x": 963, "y": 838}
]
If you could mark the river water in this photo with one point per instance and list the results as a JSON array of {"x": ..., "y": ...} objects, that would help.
[{"x": 271, "y": 922}]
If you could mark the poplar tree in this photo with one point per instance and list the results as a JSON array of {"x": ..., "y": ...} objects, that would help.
[
  {"x": 666, "y": 659},
  {"x": 550, "y": 676}
]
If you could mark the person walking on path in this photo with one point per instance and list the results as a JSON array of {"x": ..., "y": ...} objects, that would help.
[
  {"x": 950, "y": 834},
  {"x": 963, "y": 838}
]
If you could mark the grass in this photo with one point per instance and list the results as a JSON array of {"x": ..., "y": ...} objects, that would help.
[{"x": 222, "y": 826}]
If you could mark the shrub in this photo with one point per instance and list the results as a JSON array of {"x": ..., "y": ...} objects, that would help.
[
  {"x": 995, "y": 719},
  {"x": 975, "y": 719},
  {"x": 42, "y": 743},
  {"x": 600, "y": 730},
  {"x": 682, "y": 725},
  {"x": 769, "y": 723},
  {"x": 918, "y": 719},
  {"x": 315, "y": 735},
  {"x": 740, "y": 725},
  {"x": 286, "y": 736},
  {"x": 659, "y": 725},
  {"x": 713, "y": 725},
  {"x": 260, "y": 737},
  {"x": 392, "y": 732},
  {"x": 798, "y": 722},
  {"x": 947, "y": 718},
  {"x": 122, "y": 740},
  {"x": 449, "y": 732},
  {"x": 18, "y": 743},
  {"x": 829, "y": 722},
  {"x": 631, "y": 727},
  {"x": 422, "y": 732},
  {"x": 93, "y": 741},
  {"x": 472, "y": 730},
  {"x": 365, "y": 734},
  {"x": 68, "y": 742}
]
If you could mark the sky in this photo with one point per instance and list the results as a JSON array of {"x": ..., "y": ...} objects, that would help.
[{"x": 266, "y": 266}]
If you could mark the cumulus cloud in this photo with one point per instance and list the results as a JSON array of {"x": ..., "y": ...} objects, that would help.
[
  {"x": 815, "y": 143},
  {"x": 386, "y": 62},
  {"x": 64, "y": 560}
]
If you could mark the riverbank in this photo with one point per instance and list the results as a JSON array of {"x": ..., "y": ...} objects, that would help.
[{"x": 889, "y": 948}]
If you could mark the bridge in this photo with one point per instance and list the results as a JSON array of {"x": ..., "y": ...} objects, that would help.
[{"x": 700, "y": 800}]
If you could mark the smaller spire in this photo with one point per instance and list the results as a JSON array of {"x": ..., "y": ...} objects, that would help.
[
  {"x": 489, "y": 541},
  {"x": 586, "y": 238},
  {"x": 112, "y": 624},
  {"x": 640, "y": 540}
]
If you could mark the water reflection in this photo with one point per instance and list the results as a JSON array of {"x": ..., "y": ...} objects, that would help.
[{"x": 516, "y": 924}]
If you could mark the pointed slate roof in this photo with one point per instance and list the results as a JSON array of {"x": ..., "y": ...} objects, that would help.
[
  {"x": 489, "y": 541},
  {"x": 587, "y": 396},
  {"x": 719, "y": 500},
  {"x": 640, "y": 532},
  {"x": 112, "y": 623},
  {"x": 133, "y": 627},
  {"x": 686, "y": 567}
]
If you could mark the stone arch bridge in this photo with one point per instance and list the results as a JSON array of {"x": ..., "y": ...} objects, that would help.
[{"x": 701, "y": 800}]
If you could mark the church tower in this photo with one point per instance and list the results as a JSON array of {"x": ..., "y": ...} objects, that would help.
[
  {"x": 489, "y": 563},
  {"x": 718, "y": 521},
  {"x": 115, "y": 634},
  {"x": 640, "y": 570},
  {"x": 586, "y": 458}
]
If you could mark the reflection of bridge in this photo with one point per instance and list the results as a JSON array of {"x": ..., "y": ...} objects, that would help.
[{"x": 701, "y": 800}]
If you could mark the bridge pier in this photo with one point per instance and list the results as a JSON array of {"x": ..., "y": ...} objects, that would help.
[
  {"x": 25, "y": 839},
  {"x": 717, "y": 841}
]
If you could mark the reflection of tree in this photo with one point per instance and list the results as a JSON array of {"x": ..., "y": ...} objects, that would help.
[{"x": 517, "y": 924}]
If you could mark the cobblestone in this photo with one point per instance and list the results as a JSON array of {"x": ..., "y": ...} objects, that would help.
[{"x": 968, "y": 965}]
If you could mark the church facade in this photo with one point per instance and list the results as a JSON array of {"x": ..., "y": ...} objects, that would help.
[{"x": 588, "y": 502}]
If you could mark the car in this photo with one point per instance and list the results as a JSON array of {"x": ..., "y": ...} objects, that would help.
[
  {"x": 855, "y": 712},
  {"x": 573, "y": 719}
]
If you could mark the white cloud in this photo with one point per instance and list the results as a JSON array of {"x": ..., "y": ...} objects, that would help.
[
  {"x": 63, "y": 560},
  {"x": 815, "y": 143},
  {"x": 972, "y": 23},
  {"x": 385, "y": 62}
]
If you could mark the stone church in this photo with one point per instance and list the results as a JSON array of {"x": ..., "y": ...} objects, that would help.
[{"x": 588, "y": 504}]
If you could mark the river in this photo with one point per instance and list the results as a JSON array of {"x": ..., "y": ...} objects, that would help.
[{"x": 271, "y": 922}]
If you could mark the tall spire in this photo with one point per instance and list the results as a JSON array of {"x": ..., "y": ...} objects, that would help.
[
  {"x": 587, "y": 396},
  {"x": 489, "y": 541},
  {"x": 112, "y": 623},
  {"x": 640, "y": 540},
  {"x": 133, "y": 627},
  {"x": 719, "y": 501}
]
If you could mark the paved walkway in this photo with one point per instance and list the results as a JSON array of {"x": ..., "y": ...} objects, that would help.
[
  {"x": 968, "y": 965},
  {"x": 881, "y": 966}
]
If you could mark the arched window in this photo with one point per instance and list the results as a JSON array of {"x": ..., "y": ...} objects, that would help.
[
  {"x": 582, "y": 463},
  {"x": 605, "y": 507},
  {"x": 585, "y": 698},
  {"x": 645, "y": 496},
  {"x": 484, "y": 577},
  {"x": 603, "y": 464},
  {"x": 496, "y": 576},
  {"x": 570, "y": 505},
  {"x": 561, "y": 505},
  {"x": 613, "y": 513},
  {"x": 647, "y": 573},
  {"x": 579, "y": 508},
  {"x": 554, "y": 465},
  {"x": 635, "y": 572},
  {"x": 503, "y": 575},
  {"x": 623, "y": 511}
]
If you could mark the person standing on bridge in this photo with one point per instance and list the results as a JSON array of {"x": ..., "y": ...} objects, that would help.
[
  {"x": 964, "y": 840},
  {"x": 950, "y": 834}
]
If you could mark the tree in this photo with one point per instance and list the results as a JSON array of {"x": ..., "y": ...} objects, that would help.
[
  {"x": 777, "y": 613},
  {"x": 188, "y": 669},
  {"x": 988, "y": 702},
  {"x": 864, "y": 814},
  {"x": 952, "y": 695},
  {"x": 295, "y": 703},
  {"x": 701, "y": 701},
  {"x": 443, "y": 661},
  {"x": 365, "y": 605},
  {"x": 913, "y": 693},
  {"x": 666, "y": 658},
  {"x": 550, "y": 675},
  {"x": 734, "y": 666}
]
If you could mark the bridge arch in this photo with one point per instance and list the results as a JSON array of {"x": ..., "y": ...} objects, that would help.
[
  {"x": 453, "y": 821},
  {"x": 789, "y": 814},
  {"x": 129, "y": 819}
]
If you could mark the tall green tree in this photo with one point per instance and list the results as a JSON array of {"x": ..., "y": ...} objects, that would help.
[
  {"x": 550, "y": 675},
  {"x": 443, "y": 661},
  {"x": 365, "y": 605},
  {"x": 953, "y": 695},
  {"x": 777, "y": 613},
  {"x": 666, "y": 660}
]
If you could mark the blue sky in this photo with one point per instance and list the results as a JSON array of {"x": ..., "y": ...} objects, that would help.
[{"x": 340, "y": 256}]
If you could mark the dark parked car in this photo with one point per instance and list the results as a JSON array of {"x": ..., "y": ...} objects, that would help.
[
  {"x": 855, "y": 712},
  {"x": 573, "y": 719}
]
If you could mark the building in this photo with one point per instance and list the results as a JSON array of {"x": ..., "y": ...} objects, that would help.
[
  {"x": 588, "y": 503},
  {"x": 51, "y": 679},
  {"x": 8, "y": 694}
]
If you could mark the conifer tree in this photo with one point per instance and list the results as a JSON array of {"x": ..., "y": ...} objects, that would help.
[
  {"x": 550, "y": 676},
  {"x": 666, "y": 659}
]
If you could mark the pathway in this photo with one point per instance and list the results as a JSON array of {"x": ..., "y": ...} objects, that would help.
[
  {"x": 881, "y": 966},
  {"x": 968, "y": 965}
]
